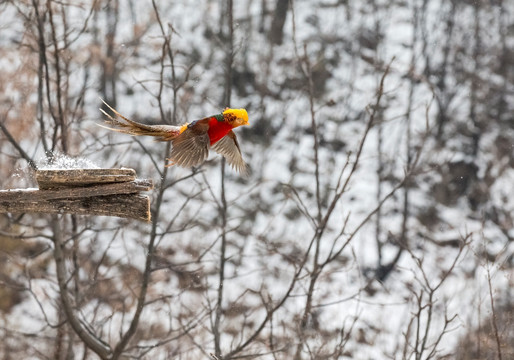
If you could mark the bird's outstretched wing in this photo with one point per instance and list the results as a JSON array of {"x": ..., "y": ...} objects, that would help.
[
  {"x": 191, "y": 147},
  {"x": 229, "y": 148},
  {"x": 124, "y": 125}
]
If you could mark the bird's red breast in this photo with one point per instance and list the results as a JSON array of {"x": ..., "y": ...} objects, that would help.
[{"x": 217, "y": 129}]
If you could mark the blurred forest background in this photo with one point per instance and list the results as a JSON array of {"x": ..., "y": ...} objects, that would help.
[{"x": 377, "y": 222}]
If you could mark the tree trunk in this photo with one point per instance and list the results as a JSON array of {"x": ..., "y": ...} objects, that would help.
[{"x": 277, "y": 25}]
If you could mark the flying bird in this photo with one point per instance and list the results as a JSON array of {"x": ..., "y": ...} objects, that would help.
[{"x": 192, "y": 141}]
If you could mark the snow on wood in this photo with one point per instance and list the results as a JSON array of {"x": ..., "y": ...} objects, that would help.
[{"x": 107, "y": 192}]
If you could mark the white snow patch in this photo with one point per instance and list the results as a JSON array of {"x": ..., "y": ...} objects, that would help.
[{"x": 66, "y": 162}]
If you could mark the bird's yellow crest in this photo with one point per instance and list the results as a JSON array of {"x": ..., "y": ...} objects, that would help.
[{"x": 238, "y": 113}]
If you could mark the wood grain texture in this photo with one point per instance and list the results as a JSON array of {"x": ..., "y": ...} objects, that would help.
[
  {"x": 48, "y": 179},
  {"x": 133, "y": 206}
]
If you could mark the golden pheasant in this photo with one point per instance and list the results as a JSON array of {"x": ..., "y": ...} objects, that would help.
[{"x": 192, "y": 141}]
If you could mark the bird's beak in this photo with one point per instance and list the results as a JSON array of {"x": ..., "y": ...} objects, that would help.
[{"x": 242, "y": 121}]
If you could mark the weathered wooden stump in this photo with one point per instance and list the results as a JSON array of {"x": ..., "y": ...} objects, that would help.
[{"x": 106, "y": 192}]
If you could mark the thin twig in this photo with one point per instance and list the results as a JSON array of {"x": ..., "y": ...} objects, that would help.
[
  {"x": 494, "y": 317},
  {"x": 16, "y": 145}
]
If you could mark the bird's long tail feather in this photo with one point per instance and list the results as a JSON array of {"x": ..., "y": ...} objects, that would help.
[{"x": 124, "y": 125}]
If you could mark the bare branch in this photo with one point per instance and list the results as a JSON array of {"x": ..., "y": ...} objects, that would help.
[
  {"x": 14, "y": 143},
  {"x": 102, "y": 349}
]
